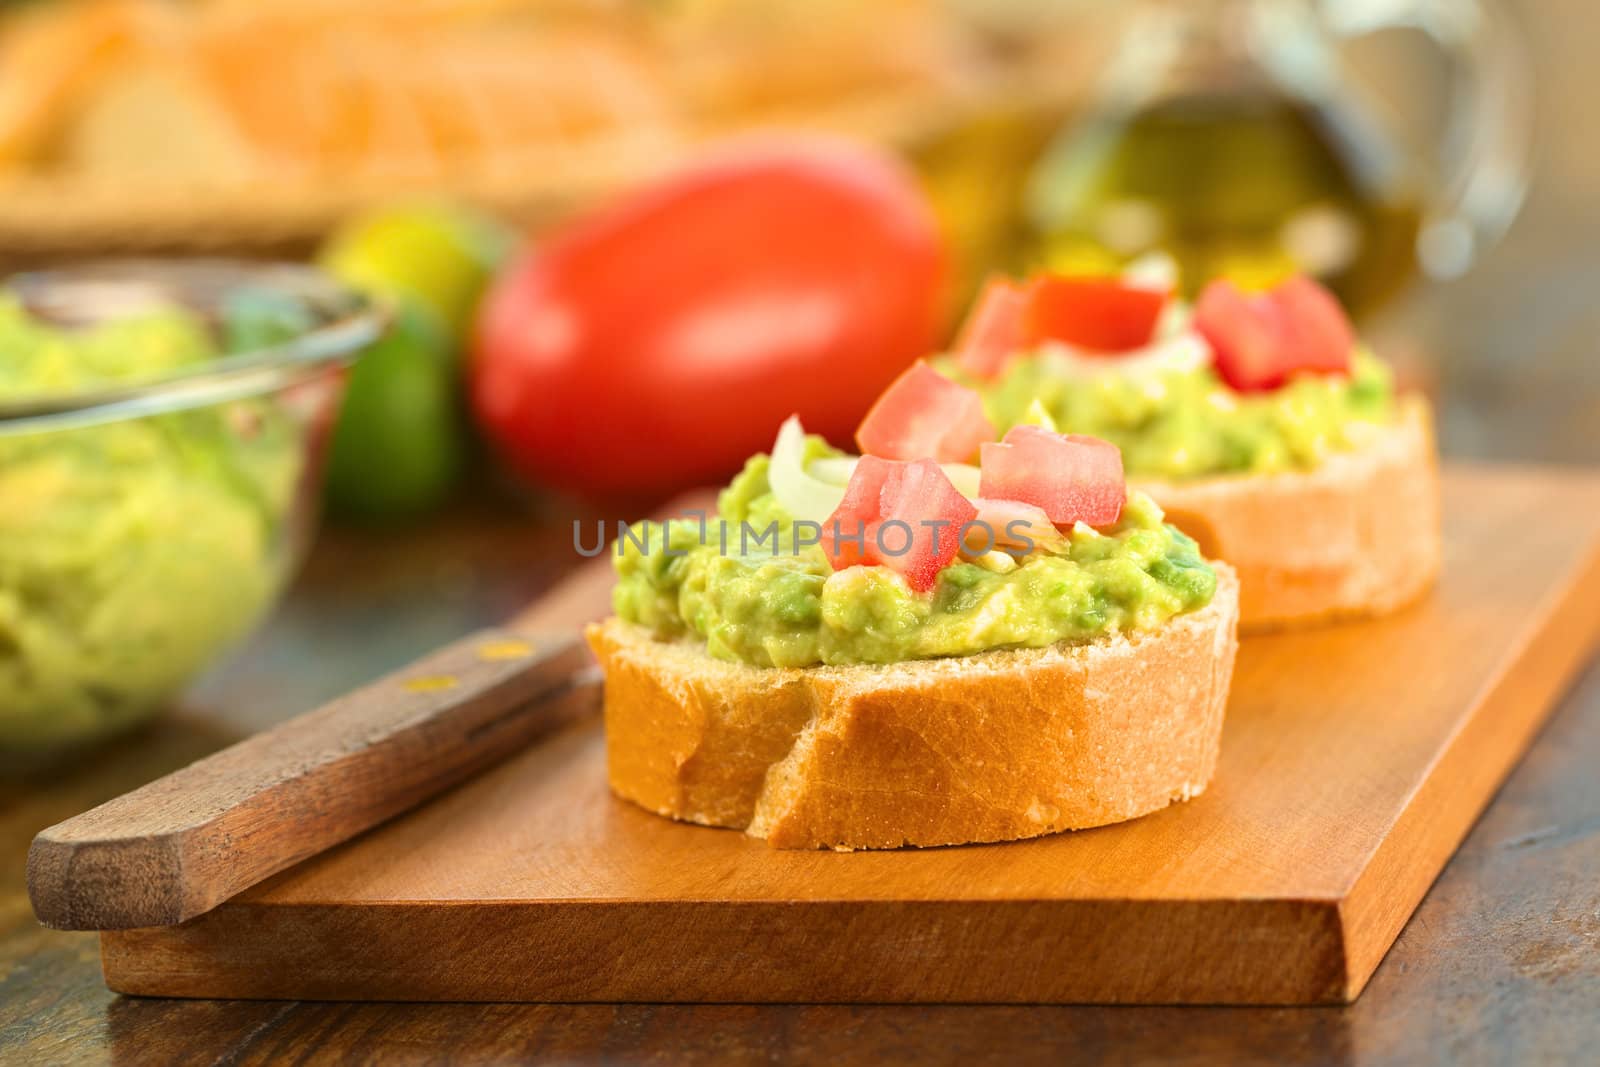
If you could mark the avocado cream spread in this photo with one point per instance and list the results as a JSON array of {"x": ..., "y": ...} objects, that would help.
[
  {"x": 775, "y": 602},
  {"x": 131, "y": 552},
  {"x": 1185, "y": 423}
]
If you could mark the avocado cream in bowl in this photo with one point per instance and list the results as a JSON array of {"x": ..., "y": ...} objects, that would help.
[{"x": 162, "y": 427}]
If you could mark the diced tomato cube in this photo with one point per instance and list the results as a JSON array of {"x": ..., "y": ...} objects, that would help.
[
  {"x": 862, "y": 504},
  {"x": 1245, "y": 336},
  {"x": 1072, "y": 477},
  {"x": 993, "y": 332},
  {"x": 1106, "y": 315},
  {"x": 904, "y": 516},
  {"x": 1093, "y": 314},
  {"x": 1258, "y": 341},
  {"x": 924, "y": 415},
  {"x": 934, "y": 510},
  {"x": 1320, "y": 337}
]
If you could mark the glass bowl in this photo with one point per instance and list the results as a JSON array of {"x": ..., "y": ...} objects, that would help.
[{"x": 148, "y": 524}]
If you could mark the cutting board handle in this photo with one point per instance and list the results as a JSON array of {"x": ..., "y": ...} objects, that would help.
[{"x": 181, "y": 845}]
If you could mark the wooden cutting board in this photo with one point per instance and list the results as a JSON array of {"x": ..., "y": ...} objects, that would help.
[{"x": 1354, "y": 760}]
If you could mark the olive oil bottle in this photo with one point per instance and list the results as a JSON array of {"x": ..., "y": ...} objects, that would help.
[
  {"x": 1228, "y": 134},
  {"x": 1248, "y": 184}
]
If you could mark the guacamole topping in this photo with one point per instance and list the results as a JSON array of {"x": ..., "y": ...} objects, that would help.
[
  {"x": 773, "y": 603},
  {"x": 131, "y": 552},
  {"x": 1184, "y": 422}
]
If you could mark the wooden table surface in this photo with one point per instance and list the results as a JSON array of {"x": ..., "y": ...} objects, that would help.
[{"x": 1501, "y": 964}]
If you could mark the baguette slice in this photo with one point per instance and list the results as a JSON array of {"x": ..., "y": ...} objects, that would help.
[
  {"x": 990, "y": 747},
  {"x": 1356, "y": 537}
]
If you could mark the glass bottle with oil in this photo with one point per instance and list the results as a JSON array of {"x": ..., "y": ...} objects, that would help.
[{"x": 1228, "y": 134}]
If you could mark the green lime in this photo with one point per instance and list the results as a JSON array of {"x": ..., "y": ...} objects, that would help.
[
  {"x": 440, "y": 254},
  {"x": 397, "y": 449}
]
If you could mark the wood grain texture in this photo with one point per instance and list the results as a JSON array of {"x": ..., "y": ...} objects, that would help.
[
  {"x": 1354, "y": 760},
  {"x": 1500, "y": 965},
  {"x": 176, "y": 847}
]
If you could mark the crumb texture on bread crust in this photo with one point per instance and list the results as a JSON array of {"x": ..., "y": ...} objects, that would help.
[
  {"x": 990, "y": 747},
  {"x": 1358, "y": 536}
]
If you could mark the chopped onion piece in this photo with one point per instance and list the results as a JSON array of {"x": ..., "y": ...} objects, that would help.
[
  {"x": 835, "y": 470},
  {"x": 801, "y": 494},
  {"x": 1154, "y": 270},
  {"x": 1176, "y": 319},
  {"x": 1010, "y": 525},
  {"x": 964, "y": 476}
]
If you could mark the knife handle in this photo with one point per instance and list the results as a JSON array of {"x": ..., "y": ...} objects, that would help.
[{"x": 179, "y": 846}]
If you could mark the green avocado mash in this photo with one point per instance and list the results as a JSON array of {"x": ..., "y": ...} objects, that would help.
[
  {"x": 1179, "y": 424},
  {"x": 131, "y": 552},
  {"x": 771, "y": 605}
]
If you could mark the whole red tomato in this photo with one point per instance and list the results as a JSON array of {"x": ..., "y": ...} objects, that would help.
[{"x": 658, "y": 344}]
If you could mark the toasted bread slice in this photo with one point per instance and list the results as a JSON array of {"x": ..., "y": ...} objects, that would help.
[
  {"x": 990, "y": 747},
  {"x": 1358, "y": 536}
]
